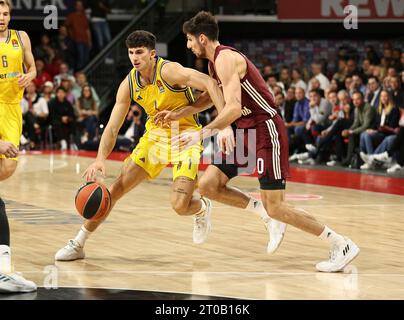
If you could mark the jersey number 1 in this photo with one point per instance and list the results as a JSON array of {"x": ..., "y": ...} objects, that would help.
[{"x": 4, "y": 60}]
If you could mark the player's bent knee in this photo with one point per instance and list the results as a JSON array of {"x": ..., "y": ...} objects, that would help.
[
  {"x": 208, "y": 188},
  {"x": 180, "y": 207}
]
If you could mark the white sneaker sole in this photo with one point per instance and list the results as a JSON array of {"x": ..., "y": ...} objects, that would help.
[
  {"x": 272, "y": 249},
  {"x": 353, "y": 253}
]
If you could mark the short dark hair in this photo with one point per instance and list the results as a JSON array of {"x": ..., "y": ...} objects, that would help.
[
  {"x": 316, "y": 91},
  {"x": 358, "y": 92},
  {"x": 202, "y": 23},
  {"x": 141, "y": 38},
  {"x": 373, "y": 77},
  {"x": 61, "y": 88}
]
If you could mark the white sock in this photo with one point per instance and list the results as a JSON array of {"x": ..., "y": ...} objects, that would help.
[
  {"x": 82, "y": 236},
  {"x": 5, "y": 259},
  {"x": 257, "y": 207},
  {"x": 203, "y": 207},
  {"x": 331, "y": 236}
]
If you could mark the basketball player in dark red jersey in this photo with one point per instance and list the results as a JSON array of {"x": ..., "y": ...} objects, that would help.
[{"x": 250, "y": 105}]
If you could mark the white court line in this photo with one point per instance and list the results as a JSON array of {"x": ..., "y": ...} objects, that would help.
[{"x": 223, "y": 273}]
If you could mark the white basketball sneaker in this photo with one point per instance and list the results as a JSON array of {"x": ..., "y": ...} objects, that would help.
[
  {"x": 202, "y": 224},
  {"x": 72, "y": 251},
  {"x": 15, "y": 282},
  {"x": 276, "y": 230},
  {"x": 340, "y": 255}
]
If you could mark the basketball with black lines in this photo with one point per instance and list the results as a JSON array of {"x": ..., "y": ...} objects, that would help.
[{"x": 93, "y": 201}]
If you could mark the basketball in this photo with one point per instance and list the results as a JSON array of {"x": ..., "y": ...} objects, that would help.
[{"x": 93, "y": 201}]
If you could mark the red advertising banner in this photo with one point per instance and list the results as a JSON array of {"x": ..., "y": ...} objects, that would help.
[{"x": 333, "y": 10}]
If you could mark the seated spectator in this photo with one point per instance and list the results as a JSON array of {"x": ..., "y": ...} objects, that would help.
[
  {"x": 272, "y": 82},
  {"x": 290, "y": 104},
  {"x": 64, "y": 73},
  {"x": 132, "y": 129},
  {"x": 348, "y": 84},
  {"x": 357, "y": 84},
  {"x": 35, "y": 113},
  {"x": 317, "y": 74},
  {"x": 397, "y": 91},
  {"x": 284, "y": 77},
  {"x": 66, "y": 83},
  {"x": 364, "y": 119},
  {"x": 374, "y": 89},
  {"x": 342, "y": 71},
  {"x": 315, "y": 85},
  {"x": 88, "y": 113},
  {"x": 42, "y": 76},
  {"x": 301, "y": 114},
  {"x": 320, "y": 110},
  {"x": 297, "y": 79},
  {"x": 267, "y": 70},
  {"x": 81, "y": 81},
  {"x": 62, "y": 119},
  {"x": 44, "y": 51},
  {"x": 47, "y": 91},
  {"x": 382, "y": 135}
]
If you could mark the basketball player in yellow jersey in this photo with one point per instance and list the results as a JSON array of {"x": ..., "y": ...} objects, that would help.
[
  {"x": 15, "y": 55},
  {"x": 155, "y": 84}
]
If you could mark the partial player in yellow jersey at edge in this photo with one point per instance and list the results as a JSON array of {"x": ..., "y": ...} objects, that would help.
[
  {"x": 155, "y": 84},
  {"x": 17, "y": 70}
]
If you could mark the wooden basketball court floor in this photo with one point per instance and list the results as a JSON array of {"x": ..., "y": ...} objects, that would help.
[{"x": 145, "y": 246}]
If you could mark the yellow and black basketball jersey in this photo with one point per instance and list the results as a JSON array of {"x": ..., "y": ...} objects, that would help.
[
  {"x": 11, "y": 65},
  {"x": 159, "y": 96}
]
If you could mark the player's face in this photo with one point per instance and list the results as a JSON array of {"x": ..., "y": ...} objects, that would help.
[
  {"x": 195, "y": 46},
  {"x": 4, "y": 17},
  {"x": 141, "y": 57}
]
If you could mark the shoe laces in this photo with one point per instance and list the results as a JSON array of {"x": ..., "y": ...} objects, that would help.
[
  {"x": 73, "y": 244},
  {"x": 334, "y": 252},
  {"x": 199, "y": 220}
]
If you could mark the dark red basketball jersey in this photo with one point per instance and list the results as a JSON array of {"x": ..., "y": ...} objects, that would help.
[{"x": 257, "y": 102}]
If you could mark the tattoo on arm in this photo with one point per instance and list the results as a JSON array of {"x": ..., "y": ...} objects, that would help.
[{"x": 182, "y": 191}]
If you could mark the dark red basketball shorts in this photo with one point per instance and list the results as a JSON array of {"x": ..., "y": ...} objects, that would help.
[{"x": 271, "y": 154}]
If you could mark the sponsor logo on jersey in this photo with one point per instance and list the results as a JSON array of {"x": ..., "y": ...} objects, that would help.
[
  {"x": 160, "y": 86},
  {"x": 15, "y": 43},
  {"x": 245, "y": 111}
]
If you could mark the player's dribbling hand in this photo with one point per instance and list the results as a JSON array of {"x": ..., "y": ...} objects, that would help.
[
  {"x": 24, "y": 79},
  {"x": 164, "y": 118},
  {"x": 8, "y": 149},
  {"x": 225, "y": 140},
  {"x": 91, "y": 172}
]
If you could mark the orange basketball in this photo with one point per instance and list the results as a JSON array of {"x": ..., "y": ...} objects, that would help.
[{"x": 93, "y": 201}]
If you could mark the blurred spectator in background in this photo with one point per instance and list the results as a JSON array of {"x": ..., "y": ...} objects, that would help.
[
  {"x": 267, "y": 70},
  {"x": 65, "y": 46},
  {"x": 42, "y": 76},
  {"x": 81, "y": 81},
  {"x": 62, "y": 119},
  {"x": 47, "y": 91},
  {"x": 318, "y": 74},
  {"x": 284, "y": 77},
  {"x": 397, "y": 91},
  {"x": 44, "y": 50},
  {"x": 87, "y": 113},
  {"x": 64, "y": 73},
  {"x": 341, "y": 73},
  {"x": 102, "y": 32},
  {"x": 373, "y": 92},
  {"x": 316, "y": 85},
  {"x": 297, "y": 80},
  {"x": 68, "y": 86},
  {"x": 132, "y": 129},
  {"x": 79, "y": 31},
  {"x": 357, "y": 84},
  {"x": 35, "y": 114},
  {"x": 364, "y": 119},
  {"x": 382, "y": 133}
]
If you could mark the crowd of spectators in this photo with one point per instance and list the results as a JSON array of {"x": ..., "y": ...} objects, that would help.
[{"x": 353, "y": 116}]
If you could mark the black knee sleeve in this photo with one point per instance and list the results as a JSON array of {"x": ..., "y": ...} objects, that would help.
[{"x": 4, "y": 228}]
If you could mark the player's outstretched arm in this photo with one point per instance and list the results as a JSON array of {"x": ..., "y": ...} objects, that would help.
[
  {"x": 177, "y": 75},
  {"x": 29, "y": 62},
  {"x": 110, "y": 134}
]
